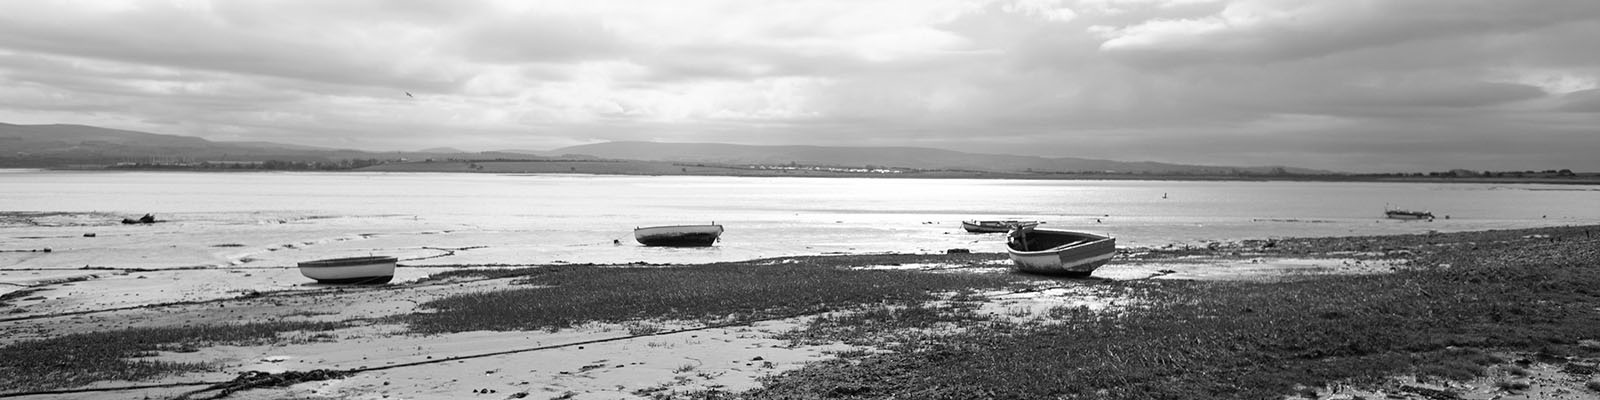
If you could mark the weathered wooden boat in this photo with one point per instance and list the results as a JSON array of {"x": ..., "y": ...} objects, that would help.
[
  {"x": 678, "y": 235},
  {"x": 146, "y": 219},
  {"x": 1406, "y": 214},
  {"x": 351, "y": 270},
  {"x": 1059, "y": 252},
  {"x": 995, "y": 226}
]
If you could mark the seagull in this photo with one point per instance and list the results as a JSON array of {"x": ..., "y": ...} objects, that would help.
[{"x": 408, "y": 94}]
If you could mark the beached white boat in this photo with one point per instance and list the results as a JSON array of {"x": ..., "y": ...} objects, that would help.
[
  {"x": 354, "y": 270},
  {"x": 1406, "y": 214},
  {"x": 1059, "y": 252},
  {"x": 678, "y": 235},
  {"x": 995, "y": 226}
]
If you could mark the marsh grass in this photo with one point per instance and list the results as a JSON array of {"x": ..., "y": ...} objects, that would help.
[
  {"x": 565, "y": 296},
  {"x": 7, "y": 298},
  {"x": 880, "y": 324},
  {"x": 1469, "y": 293},
  {"x": 1512, "y": 385},
  {"x": 642, "y": 329},
  {"x": 79, "y": 359}
]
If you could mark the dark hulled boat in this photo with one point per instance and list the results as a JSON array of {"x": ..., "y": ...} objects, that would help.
[{"x": 678, "y": 235}]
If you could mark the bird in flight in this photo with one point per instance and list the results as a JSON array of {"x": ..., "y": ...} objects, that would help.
[{"x": 408, "y": 94}]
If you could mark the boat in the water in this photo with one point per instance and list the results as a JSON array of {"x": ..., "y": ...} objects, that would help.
[
  {"x": 1059, "y": 252},
  {"x": 1407, "y": 214},
  {"x": 995, "y": 226},
  {"x": 678, "y": 235},
  {"x": 351, "y": 270}
]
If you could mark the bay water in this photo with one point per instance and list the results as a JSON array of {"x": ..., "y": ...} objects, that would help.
[{"x": 275, "y": 219}]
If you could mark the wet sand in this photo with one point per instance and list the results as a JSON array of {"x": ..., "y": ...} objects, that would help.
[{"x": 593, "y": 361}]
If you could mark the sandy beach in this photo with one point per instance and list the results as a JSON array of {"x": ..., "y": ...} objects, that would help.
[{"x": 371, "y": 353}]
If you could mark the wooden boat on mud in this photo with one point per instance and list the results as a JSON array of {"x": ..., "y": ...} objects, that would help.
[
  {"x": 995, "y": 226},
  {"x": 1059, "y": 252},
  {"x": 678, "y": 235},
  {"x": 1406, "y": 214},
  {"x": 351, "y": 270},
  {"x": 146, "y": 219}
]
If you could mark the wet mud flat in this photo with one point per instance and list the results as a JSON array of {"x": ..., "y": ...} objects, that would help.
[{"x": 1469, "y": 315}]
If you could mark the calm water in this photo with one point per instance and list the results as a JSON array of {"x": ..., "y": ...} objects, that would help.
[{"x": 276, "y": 219}]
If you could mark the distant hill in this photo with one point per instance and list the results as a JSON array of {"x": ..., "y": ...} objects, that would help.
[
  {"x": 51, "y": 146},
  {"x": 905, "y": 157}
]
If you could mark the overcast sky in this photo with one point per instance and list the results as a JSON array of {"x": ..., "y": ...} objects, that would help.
[{"x": 1349, "y": 85}]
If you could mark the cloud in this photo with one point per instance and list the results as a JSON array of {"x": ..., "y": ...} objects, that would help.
[
  {"x": 1584, "y": 101},
  {"x": 1335, "y": 85},
  {"x": 206, "y": 39},
  {"x": 536, "y": 38},
  {"x": 1249, "y": 31}
]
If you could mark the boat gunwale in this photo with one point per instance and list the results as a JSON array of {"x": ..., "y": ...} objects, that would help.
[
  {"x": 1095, "y": 238},
  {"x": 718, "y": 226},
  {"x": 348, "y": 261}
]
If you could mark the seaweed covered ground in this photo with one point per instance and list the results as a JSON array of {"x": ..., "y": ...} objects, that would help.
[
  {"x": 1495, "y": 314},
  {"x": 1465, "y": 302}
]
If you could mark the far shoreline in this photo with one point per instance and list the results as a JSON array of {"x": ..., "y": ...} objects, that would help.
[{"x": 662, "y": 168}]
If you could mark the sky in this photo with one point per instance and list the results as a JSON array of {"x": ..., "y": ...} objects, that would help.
[{"x": 1346, "y": 85}]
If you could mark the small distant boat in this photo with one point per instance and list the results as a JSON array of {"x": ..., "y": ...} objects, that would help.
[
  {"x": 678, "y": 235},
  {"x": 1406, "y": 214},
  {"x": 995, "y": 226},
  {"x": 351, "y": 270},
  {"x": 1059, "y": 252},
  {"x": 146, "y": 219}
]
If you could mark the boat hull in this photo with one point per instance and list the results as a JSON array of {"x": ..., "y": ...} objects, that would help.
[
  {"x": 352, "y": 270},
  {"x": 995, "y": 226},
  {"x": 678, "y": 235},
  {"x": 1059, "y": 252},
  {"x": 1408, "y": 214}
]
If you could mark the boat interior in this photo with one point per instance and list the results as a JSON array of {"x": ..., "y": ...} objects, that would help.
[{"x": 1026, "y": 242}]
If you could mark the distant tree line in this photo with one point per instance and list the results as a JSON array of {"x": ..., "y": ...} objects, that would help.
[
  {"x": 1464, "y": 173},
  {"x": 270, "y": 165}
]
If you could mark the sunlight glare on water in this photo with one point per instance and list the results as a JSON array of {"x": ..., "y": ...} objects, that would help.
[{"x": 278, "y": 218}]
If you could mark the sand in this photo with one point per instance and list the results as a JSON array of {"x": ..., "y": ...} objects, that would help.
[{"x": 595, "y": 361}]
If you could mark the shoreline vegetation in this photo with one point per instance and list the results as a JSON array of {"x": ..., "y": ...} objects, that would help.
[
  {"x": 1515, "y": 311},
  {"x": 664, "y": 168}
]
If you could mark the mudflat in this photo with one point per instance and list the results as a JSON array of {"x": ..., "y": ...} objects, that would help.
[{"x": 1494, "y": 314}]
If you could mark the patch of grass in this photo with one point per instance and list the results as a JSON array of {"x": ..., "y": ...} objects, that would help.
[
  {"x": 5, "y": 299},
  {"x": 1455, "y": 364},
  {"x": 78, "y": 359},
  {"x": 567, "y": 296},
  {"x": 1512, "y": 385},
  {"x": 884, "y": 324},
  {"x": 1509, "y": 290},
  {"x": 641, "y": 329}
]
